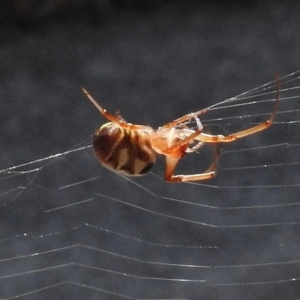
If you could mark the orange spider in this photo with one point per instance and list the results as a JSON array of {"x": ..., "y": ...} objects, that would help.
[{"x": 131, "y": 149}]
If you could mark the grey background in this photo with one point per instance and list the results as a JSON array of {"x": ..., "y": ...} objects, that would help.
[{"x": 154, "y": 62}]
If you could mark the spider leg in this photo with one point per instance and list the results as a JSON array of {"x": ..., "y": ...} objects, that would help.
[
  {"x": 186, "y": 118},
  {"x": 115, "y": 119},
  {"x": 208, "y": 138},
  {"x": 194, "y": 148},
  {"x": 183, "y": 142},
  {"x": 171, "y": 164}
]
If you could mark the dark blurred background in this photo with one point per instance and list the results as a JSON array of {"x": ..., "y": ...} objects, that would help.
[{"x": 155, "y": 60}]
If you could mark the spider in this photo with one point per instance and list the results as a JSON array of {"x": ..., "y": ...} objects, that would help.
[{"x": 130, "y": 149}]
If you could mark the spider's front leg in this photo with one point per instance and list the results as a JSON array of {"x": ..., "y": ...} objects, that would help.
[
  {"x": 172, "y": 162},
  {"x": 187, "y": 117},
  {"x": 209, "y": 138}
]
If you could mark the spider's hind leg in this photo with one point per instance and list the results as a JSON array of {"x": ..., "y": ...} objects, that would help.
[{"x": 117, "y": 119}]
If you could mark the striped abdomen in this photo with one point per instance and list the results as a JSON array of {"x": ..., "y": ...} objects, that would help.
[{"x": 122, "y": 150}]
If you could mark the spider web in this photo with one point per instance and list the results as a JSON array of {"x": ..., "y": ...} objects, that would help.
[
  {"x": 70, "y": 229},
  {"x": 99, "y": 234}
]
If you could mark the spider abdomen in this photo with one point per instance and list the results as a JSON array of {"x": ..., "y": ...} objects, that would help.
[{"x": 123, "y": 150}]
